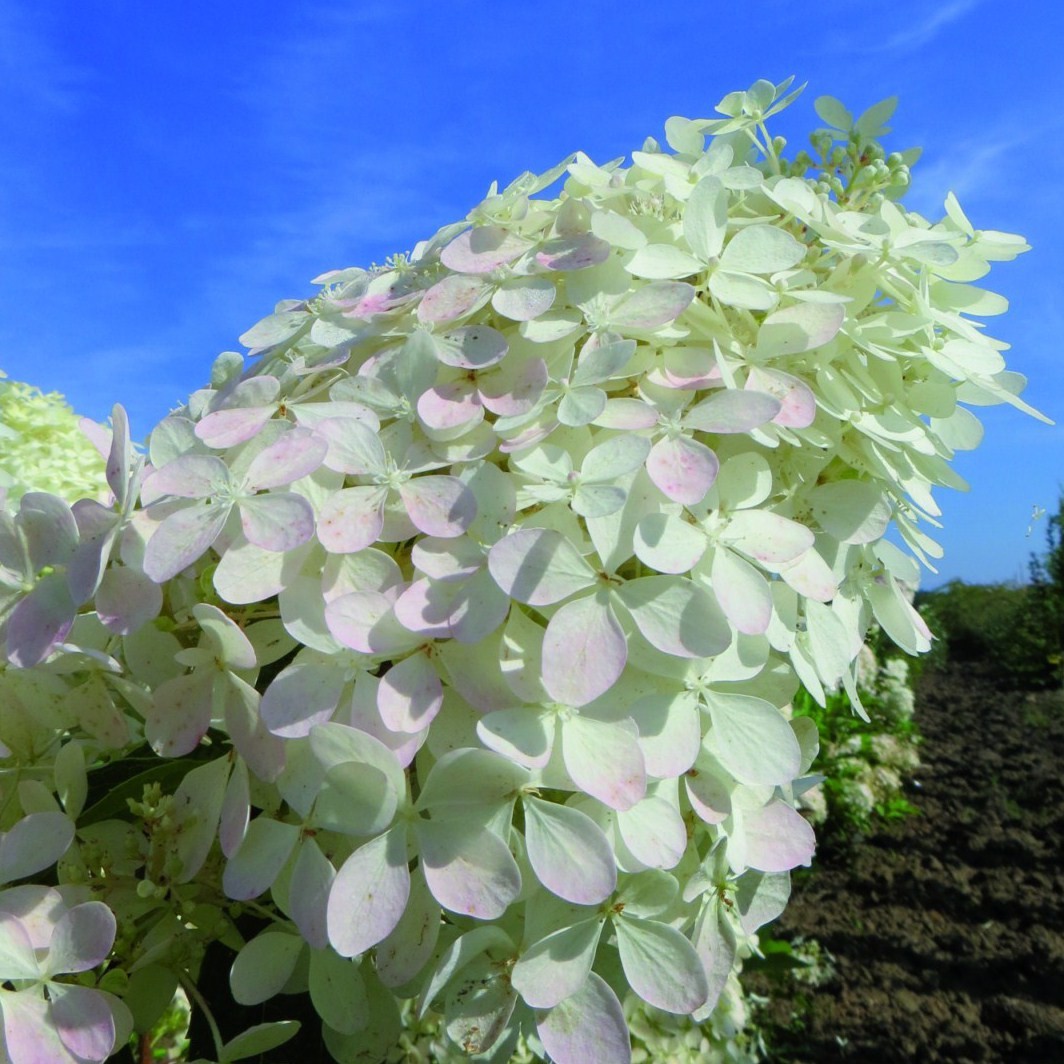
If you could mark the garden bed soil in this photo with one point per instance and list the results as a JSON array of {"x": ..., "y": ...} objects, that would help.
[{"x": 947, "y": 927}]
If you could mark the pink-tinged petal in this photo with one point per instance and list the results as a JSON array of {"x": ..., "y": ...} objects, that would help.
[
  {"x": 30, "y": 1036},
  {"x": 39, "y": 621},
  {"x": 364, "y": 715},
  {"x": 352, "y": 519},
  {"x": 83, "y": 1020},
  {"x": 446, "y": 406},
  {"x": 742, "y": 591},
  {"x": 584, "y": 650},
  {"x": 689, "y": 369},
  {"x": 364, "y": 621},
  {"x": 604, "y": 760},
  {"x": 811, "y": 576},
  {"x": 180, "y": 715},
  {"x": 300, "y": 696},
  {"x": 182, "y": 538},
  {"x": 36, "y": 910},
  {"x": 471, "y": 347},
  {"x": 569, "y": 853},
  {"x": 469, "y": 870},
  {"x": 766, "y": 536},
  {"x": 127, "y": 600},
  {"x": 99, "y": 528},
  {"x": 524, "y": 298},
  {"x": 34, "y": 842},
  {"x": 654, "y": 832},
  {"x": 425, "y": 608},
  {"x": 369, "y": 894},
  {"x": 670, "y": 733},
  {"x": 573, "y": 252},
  {"x": 730, "y": 411},
  {"x": 778, "y": 838},
  {"x": 227, "y": 428},
  {"x": 709, "y": 795},
  {"x": 296, "y": 454},
  {"x": 539, "y": 566},
  {"x": 439, "y": 505},
  {"x": 483, "y": 249},
  {"x": 514, "y": 388},
  {"x": 82, "y": 939},
  {"x": 652, "y": 305},
  {"x": 410, "y": 695},
  {"x": 676, "y": 616},
  {"x": 354, "y": 446},
  {"x": 453, "y": 297},
  {"x": 588, "y": 1026},
  {"x": 798, "y": 328},
  {"x": 796, "y": 398},
  {"x": 277, "y": 521},
  {"x": 191, "y": 476},
  {"x": 683, "y": 469}
]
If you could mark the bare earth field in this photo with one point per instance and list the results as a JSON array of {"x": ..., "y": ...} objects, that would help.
[{"x": 947, "y": 928}]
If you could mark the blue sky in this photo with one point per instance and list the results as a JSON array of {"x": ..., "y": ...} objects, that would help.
[{"x": 168, "y": 172}]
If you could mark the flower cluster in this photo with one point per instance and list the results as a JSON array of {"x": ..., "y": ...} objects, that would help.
[
  {"x": 460, "y": 617},
  {"x": 42, "y": 446}
]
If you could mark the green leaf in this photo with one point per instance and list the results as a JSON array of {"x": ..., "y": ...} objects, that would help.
[{"x": 258, "y": 1039}]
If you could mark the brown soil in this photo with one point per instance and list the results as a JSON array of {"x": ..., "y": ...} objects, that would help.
[{"x": 947, "y": 928}]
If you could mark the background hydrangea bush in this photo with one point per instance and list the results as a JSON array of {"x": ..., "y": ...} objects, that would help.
[{"x": 452, "y": 631}]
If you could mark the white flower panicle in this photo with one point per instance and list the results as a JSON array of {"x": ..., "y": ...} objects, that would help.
[{"x": 474, "y": 595}]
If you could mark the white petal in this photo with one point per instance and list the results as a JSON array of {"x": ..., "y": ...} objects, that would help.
[
  {"x": 369, "y": 894},
  {"x": 588, "y": 1026},
  {"x": 604, "y": 760},
  {"x": 584, "y": 650},
  {"x": 568, "y": 852},
  {"x": 661, "y": 965}
]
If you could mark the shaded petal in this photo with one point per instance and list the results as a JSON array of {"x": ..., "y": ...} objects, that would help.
[
  {"x": 569, "y": 853},
  {"x": 469, "y": 870},
  {"x": 584, "y": 650},
  {"x": 439, "y": 505},
  {"x": 661, "y": 965},
  {"x": 182, "y": 538},
  {"x": 604, "y": 760},
  {"x": 589, "y": 1025}
]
